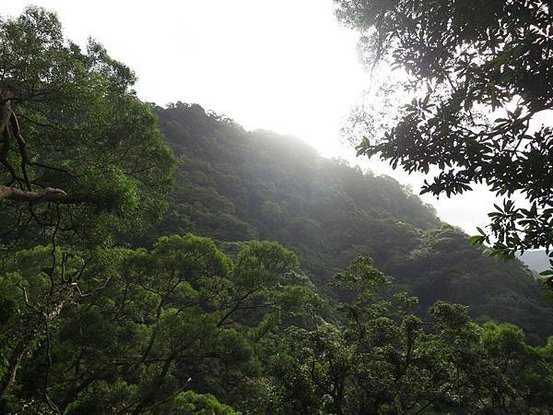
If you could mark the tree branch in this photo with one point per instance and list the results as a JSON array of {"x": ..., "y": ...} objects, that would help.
[{"x": 48, "y": 194}]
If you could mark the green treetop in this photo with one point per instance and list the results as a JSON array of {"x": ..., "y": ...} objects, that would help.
[{"x": 78, "y": 150}]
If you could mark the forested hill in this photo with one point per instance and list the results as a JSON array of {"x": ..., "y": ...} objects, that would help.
[{"x": 234, "y": 185}]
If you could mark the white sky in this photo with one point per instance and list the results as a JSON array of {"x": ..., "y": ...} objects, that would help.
[{"x": 282, "y": 65}]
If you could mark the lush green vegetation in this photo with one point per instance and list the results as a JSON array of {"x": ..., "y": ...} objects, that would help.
[
  {"x": 103, "y": 311},
  {"x": 81, "y": 155},
  {"x": 480, "y": 77},
  {"x": 182, "y": 327},
  {"x": 234, "y": 185}
]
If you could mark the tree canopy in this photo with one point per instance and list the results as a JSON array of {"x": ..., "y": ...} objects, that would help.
[
  {"x": 482, "y": 74},
  {"x": 234, "y": 185},
  {"x": 82, "y": 165},
  {"x": 78, "y": 150},
  {"x": 182, "y": 328}
]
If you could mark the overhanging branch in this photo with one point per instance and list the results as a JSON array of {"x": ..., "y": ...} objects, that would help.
[{"x": 46, "y": 195}]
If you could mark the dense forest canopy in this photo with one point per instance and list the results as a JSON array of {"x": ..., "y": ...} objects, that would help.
[
  {"x": 246, "y": 288},
  {"x": 234, "y": 185},
  {"x": 481, "y": 75}
]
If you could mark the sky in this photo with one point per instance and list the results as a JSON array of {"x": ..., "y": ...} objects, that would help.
[{"x": 281, "y": 65}]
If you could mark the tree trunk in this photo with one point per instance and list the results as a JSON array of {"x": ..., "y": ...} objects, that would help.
[
  {"x": 13, "y": 365},
  {"x": 6, "y": 109}
]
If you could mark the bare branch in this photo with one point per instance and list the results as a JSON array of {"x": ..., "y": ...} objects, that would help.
[{"x": 48, "y": 194}]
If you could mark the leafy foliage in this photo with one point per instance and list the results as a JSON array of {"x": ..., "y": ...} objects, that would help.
[
  {"x": 79, "y": 153},
  {"x": 486, "y": 71},
  {"x": 183, "y": 328},
  {"x": 385, "y": 360},
  {"x": 180, "y": 317}
]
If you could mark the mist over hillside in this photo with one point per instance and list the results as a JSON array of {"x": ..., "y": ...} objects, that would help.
[{"x": 235, "y": 185}]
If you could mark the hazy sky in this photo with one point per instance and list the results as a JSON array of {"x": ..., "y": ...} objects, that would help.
[{"x": 283, "y": 65}]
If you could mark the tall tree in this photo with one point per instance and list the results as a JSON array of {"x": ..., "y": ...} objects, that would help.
[
  {"x": 485, "y": 69},
  {"x": 78, "y": 150},
  {"x": 82, "y": 162}
]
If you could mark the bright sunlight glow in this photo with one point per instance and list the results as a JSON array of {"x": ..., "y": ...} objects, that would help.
[{"x": 284, "y": 65}]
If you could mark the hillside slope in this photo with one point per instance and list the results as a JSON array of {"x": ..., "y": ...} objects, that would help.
[{"x": 235, "y": 185}]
